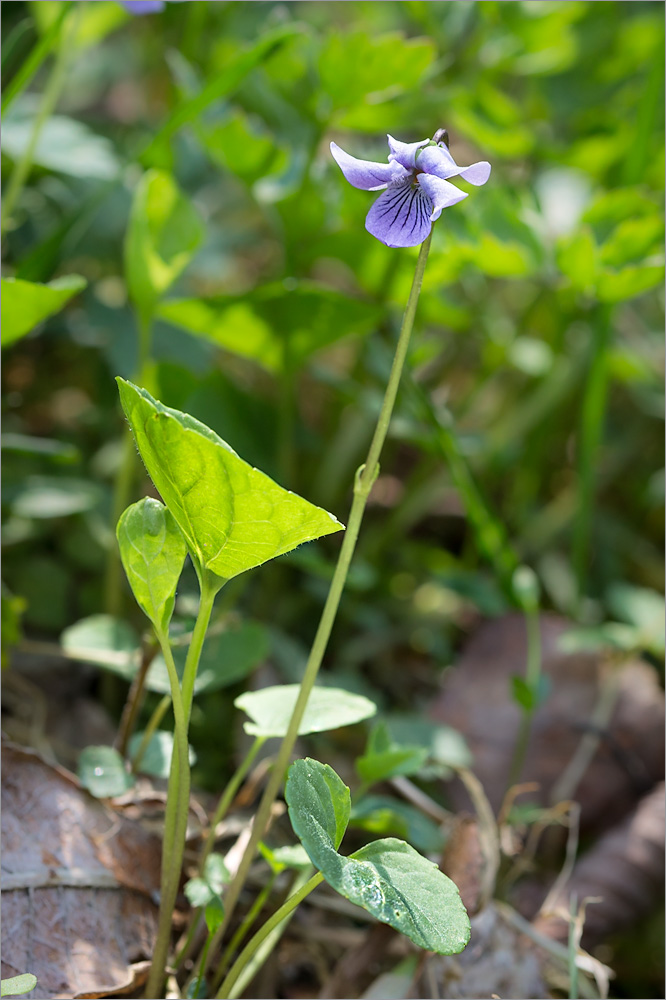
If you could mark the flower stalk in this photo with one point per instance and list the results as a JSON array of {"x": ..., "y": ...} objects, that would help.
[{"x": 365, "y": 478}]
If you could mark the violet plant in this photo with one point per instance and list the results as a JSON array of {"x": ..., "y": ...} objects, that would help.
[{"x": 230, "y": 518}]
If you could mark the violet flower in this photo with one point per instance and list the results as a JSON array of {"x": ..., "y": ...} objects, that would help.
[
  {"x": 143, "y": 6},
  {"x": 416, "y": 183}
]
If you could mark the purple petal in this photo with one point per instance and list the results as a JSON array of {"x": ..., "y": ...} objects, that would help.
[
  {"x": 405, "y": 152},
  {"x": 401, "y": 216},
  {"x": 143, "y": 6},
  {"x": 438, "y": 161},
  {"x": 365, "y": 174},
  {"x": 441, "y": 194}
]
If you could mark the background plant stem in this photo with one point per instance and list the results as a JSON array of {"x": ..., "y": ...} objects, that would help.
[
  {"x": 49, "y": 100},
  {"x": 41, "y": 51},
  {"x": 277, "y": 918},
  {"x": 365, "y": 478},
  {"x": 591, "y": 431},
  {"x": 227, "y": 797}
]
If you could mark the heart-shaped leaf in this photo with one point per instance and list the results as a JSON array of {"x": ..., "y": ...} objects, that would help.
[
  {"x": 102, "y": 771},
  {"x": 233, "y": 517},
  {"x": 106, "y": 641},
  {"x": 156, "y": 759},
  {"x": 164, "y": 231},
  {"x": 319, "y": 808},
  {"x": 387, "y": 878},
  {"x": 203, "y": 889},
  {"x": 153, "y": 551},
  {"x": 270, "y": 710},
  {"x": 227, "y": 656},
  {"x": 27, "y": 303}
]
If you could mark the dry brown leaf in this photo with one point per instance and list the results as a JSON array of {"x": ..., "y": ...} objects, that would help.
[
  {"x": 625, "y": 868},
  {"x": 464, "y": 861},
  {"x": 476, "y": 699},
  {"x": 78, "y": 883}
]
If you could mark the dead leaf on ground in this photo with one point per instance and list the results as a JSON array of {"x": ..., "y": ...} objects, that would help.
[
  {"x": 625, "y": 868},
  {"x": 476, "y": 698},
  {"x": 78, "y": 884}
]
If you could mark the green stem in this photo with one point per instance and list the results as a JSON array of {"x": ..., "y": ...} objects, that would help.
[
  {"x": 208, "y": 594},
  {"x": 175, "y": 824},
  {"x": 365, "y": 478},
  {"x": 202, "y": 966},
  {"x": 243, "y": 928},
  {"x": 489, "y": 532},
  {"x": 227, "y": 797},
  {"x": 591, "y": 430},
  {"x": 38, "y": 54},
  {"x": 153, "y": 723},
  {"x": 533, "y": 681},
  {"x": 277, "y": 918},
  {"x": 49, "y": 99},
  {"x": 178, "y": 792},
  {"x": 122, "y": 486}
]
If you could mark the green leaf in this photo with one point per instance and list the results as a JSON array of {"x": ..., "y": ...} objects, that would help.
[
  {"x": 275, "y": 326},
  {"x": 214, "y": 914},
  {"x": 233, "y": 517},
  {"x": 104, "y": 640},
  {"x": 615, "y": 286},
  {"x": 387, "y": 878},
  {"x": 112, "y": 644},
  {"x": 17, "y": 985},
  {"x": 163, "y": 233},
  {"x": 291, "y": 856},
  {"x": 156, "y": 759},
  {"x": 13, "y": 607},
  {"x": 270, "y": 710},
  {"x": 385, "y": 759},
  {"x": 222, "y": 83},
  {"x": 319, "y": 808},
  {"x": 633, "y": 240},
  {"x": 391, "y": 880},
  {"x": 577, "y": 259},
  {"x": 391, "y": 763},
  {"x": 380, "y": 814},
  {"x": 355, "y": 64},
  {"x": 102, "y": 771},
  {"x": 446, "y": 747},
  {"x": 44, "y": 497},
  {"x": 65, "y": 145},
  {"x": 152, "y": 550},
  {"x": 227, "y": 658},
  {"x": 644, "y": 609},
  {"x": 25, "y": 304},
  {"x": 204, "y": 889}
]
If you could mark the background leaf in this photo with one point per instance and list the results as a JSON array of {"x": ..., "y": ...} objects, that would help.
[
  {"x": 270, "y": 710},
  {"x": 25, "y": 304},
  {"x": 156, "y": 758},
  {"x": 102, "y": 771},
  {"x": 163, "y": 233}
]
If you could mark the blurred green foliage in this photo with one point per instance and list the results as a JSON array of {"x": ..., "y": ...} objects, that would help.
[{"x": 535, "y": 434}]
